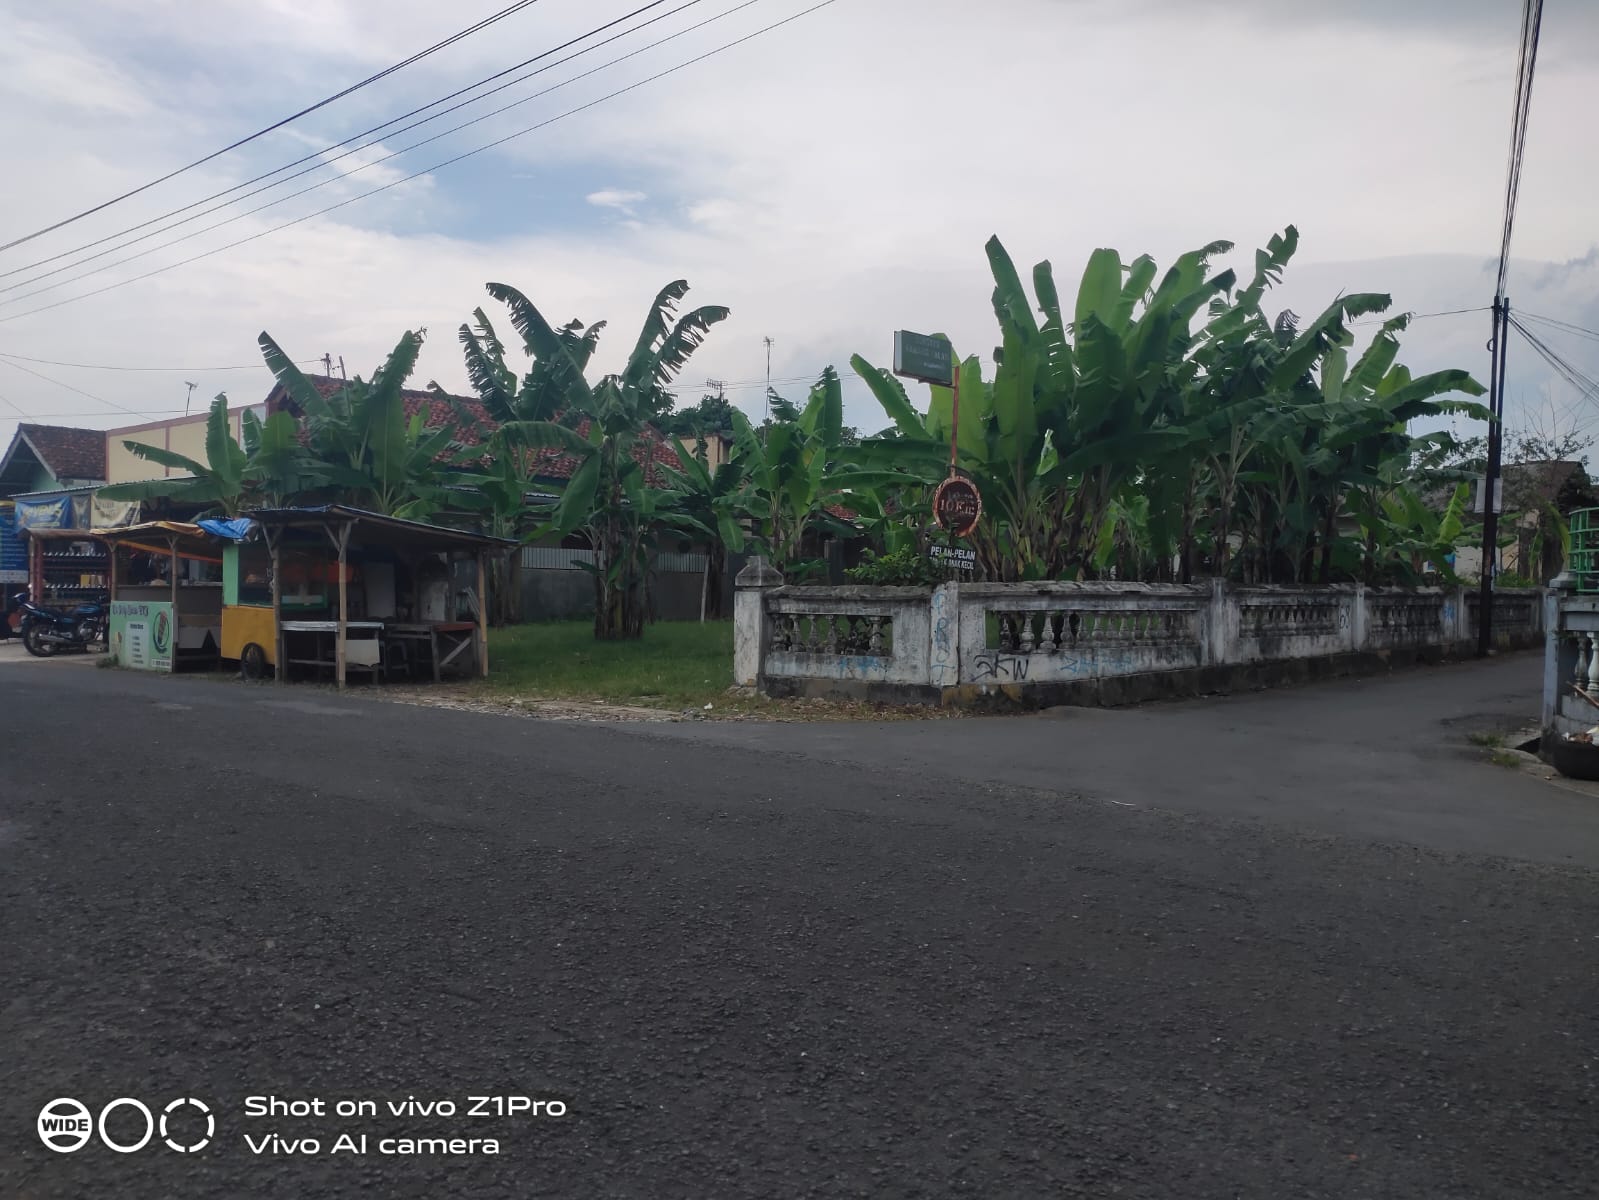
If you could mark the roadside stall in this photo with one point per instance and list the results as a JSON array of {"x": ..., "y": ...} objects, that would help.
[
  {"x": 332, "y": 590},
  {"x": 165, "y": 584}
]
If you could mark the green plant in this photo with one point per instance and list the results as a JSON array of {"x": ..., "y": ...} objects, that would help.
[
  {"x": 1513, "y": 579},
  {"x": 713, "y": 501},
  {"x": 1504, "y": 758},
  {"x": 268, "y": 469},
  {"x": 796, "y": 468},
  {"x": 905, "y": 567},
  {"x": 365, "y": 446},
  {"x": 609, "y": 498},
  {"x": 1171, "y": 427},
  {"x": 1486, "y": 740}
]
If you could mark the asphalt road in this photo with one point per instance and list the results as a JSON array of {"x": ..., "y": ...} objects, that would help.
[{"x": 773, "y": 961}]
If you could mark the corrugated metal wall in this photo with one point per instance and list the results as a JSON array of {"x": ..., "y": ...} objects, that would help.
[{"x": 554, "y": 587}]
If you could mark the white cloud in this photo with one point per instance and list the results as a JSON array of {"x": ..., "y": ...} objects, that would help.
[
  {"x": 830, "y": 182},
  {"x": 616, "y": 198}
]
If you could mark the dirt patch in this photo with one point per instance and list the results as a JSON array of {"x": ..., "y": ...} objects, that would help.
[{"x": 736, "y": 707}]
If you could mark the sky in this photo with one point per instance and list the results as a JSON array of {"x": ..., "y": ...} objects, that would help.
[{"x": 830, "y": 180}]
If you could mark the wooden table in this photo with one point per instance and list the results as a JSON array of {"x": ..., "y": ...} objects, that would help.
[
  {"x": 353, "y": 631},
  {"x": 455, "y": 638}
]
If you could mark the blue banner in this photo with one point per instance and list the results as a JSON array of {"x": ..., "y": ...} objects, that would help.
[
  {"x": 45, "y": 514},
  {"x": 13, "y": 554}
]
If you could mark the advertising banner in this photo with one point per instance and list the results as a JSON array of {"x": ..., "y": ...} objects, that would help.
[
  {"x": 142, "y": 634},
  {"x": 45, "y": 514},
  {"x": 13, "y": 554},
  {"x": 109, "y": 514}
]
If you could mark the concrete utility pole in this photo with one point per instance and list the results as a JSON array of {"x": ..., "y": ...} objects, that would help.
[
  {"x": 768, "y": 342},
  {"x": 1490, "y": 479}
]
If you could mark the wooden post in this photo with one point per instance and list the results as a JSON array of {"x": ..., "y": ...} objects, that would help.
[
  {"x": 482, "y": 617},
  {"x": 343, "y": 541},
  {"x": 36, "y": 568},
  {"x": 172, "y": 545},
  {"x": 280, "y": 665},
  {"x": 112, "y": 550},
  {"x": 705, "y": 584}
]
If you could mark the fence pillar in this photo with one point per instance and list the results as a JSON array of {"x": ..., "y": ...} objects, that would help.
[
  {"x": 1357, "y": 618},
  {"x": 944, "y": 636},
  {"x": 1220, "y": 633},
  {"x": 749, "y": 619},
  {"x": 1561, "y": 586}
]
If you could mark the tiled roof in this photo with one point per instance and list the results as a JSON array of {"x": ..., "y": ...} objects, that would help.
[
  {"x": 551, "y": 465},
  {"x": 651, "y": 452},
  {"x": 476, "y": 428},
  {"x": 68, "y": 453}
]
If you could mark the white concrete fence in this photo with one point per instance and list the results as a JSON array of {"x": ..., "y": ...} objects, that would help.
[
  {"x": 1091, "y": 642},
  {"x": 1571, "y": 664}
]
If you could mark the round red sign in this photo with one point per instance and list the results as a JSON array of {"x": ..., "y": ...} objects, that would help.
[{"x": 957, "y": 506}]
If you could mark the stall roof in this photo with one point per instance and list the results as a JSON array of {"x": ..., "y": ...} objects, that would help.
[
  {"x": 375, "y": 529},
  {"x": 153, "y": 537}
]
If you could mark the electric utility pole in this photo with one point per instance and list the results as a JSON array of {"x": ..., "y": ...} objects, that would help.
[
  {"x": 1531, "y": 23},
  {"x": 1490, "y": 479},
  {"x": 768, "y": 342}
]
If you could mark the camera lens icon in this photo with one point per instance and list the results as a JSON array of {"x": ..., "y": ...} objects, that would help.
[
  {"x": 65, "y": 1125},
  {"x": 210, "y": 1125}
]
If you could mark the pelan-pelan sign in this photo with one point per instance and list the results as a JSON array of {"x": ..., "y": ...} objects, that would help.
[
  {"x": 960, "y": 558},
  {"x": 142, "y": 634}
]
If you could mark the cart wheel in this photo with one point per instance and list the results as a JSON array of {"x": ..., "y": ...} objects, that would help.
[{"x": 252, "y": 662}]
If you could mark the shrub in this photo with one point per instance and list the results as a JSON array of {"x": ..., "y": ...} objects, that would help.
[{"x": 906, "y": 567}]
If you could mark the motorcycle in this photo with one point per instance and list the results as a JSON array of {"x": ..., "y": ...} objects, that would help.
[{"x": 45, "y": 631}]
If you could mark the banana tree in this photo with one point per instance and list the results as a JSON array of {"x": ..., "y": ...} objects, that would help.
[
  {"x": 495, "y": 487},
  {"x": 610, "y": 497},
  {"x": 796, "y": 468},
  {"x": 1075, "y": 406},
  {"x": 376, "y": 457},
  {"x": 268, "y": 469},
  {"x": 713, "y": 500}
]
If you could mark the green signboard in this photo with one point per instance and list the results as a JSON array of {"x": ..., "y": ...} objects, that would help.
[
  {"x": 142, "y": 634},
  {"x": 929, "y": 359}
]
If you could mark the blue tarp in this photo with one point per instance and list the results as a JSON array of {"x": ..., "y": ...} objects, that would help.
[{"x": 235, "y": 530}]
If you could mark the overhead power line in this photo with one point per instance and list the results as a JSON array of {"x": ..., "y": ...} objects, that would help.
[
  {"x": 51, "y": 362},
  {"x": 1526, "y": 62},
  {"x": 78, "y": 416},
  {"x": 318, "y": 159},
  {"x": 1563, "y": 325},
  {"x": 16, "y": 366},
  {"x": 509, "y": 10},
  {"x": 1451, "y": 312},
  {"x": 428, "y": 170},
  {"x": 1527, "y": 59},
  {"x": 190, "y": 236},
  {"x": 1572, "y": 374}
]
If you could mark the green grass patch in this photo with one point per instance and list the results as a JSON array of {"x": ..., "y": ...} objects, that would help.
[
  {"x": 1504, "y": 758},
  {"x": 1489, "y": 741},
  {"x": 676, "y": 664}
]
